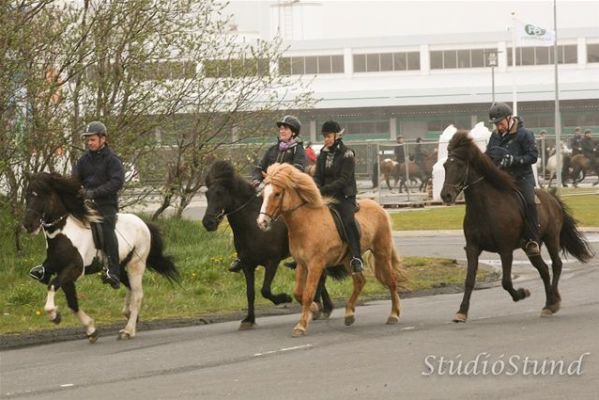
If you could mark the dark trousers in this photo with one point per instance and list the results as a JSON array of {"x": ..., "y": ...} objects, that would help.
[
  {"x": 526, "y": 186},
  {"x": 111, "y": 244},
  {"x": 347, "y": 210}
]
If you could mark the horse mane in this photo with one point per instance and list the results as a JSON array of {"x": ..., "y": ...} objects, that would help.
[
  {"x": 67, "y": 188},
  {"x": 463, "y": 147},
  {"x": 289, "y": 177},
  {"x": 223, "y": 172}
]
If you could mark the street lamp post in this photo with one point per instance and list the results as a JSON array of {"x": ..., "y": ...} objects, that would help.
[{"x": 492, "y": 62}]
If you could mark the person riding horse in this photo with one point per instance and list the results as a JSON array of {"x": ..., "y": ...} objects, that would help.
[
  {"x": 589, "y": 149},
  {"x": 419, "y": 155},
  {"x": 288, "y": 149},
  {"x": 512, "y": 147},
  {"x": 101, "y": 174},
  {"x": 335, "y": 177}
]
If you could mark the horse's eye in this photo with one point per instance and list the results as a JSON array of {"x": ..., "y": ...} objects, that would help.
[{"x": 277, "y": 194}]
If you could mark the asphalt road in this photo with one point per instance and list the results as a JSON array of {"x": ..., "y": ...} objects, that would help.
[{"x": 505, "y": 350}]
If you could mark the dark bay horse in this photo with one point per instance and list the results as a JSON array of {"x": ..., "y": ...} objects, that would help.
[
  {"x": 54, "y": 206},
  {"x": 494, "y": 222},
  {"x": 230, "y": 195}
]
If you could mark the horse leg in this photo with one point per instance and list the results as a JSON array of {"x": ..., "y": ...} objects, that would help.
[
  {"x": 313, "y": 277},
  {"x": 539, "y": 264},
  {"x": 350, "y": 307},
  {"x": 506, "y": 278},
  {"x": 384, "y": 260},
  {"x": 269, "y": 274},
  {"x": 135, "y": 272},
  {"x": 249, "y": 321},
  {"x": 325, "y": 307},
  {"x": 50, "y": 306},
  {"x": 70, "y": 293},
  {"x": 556, "y": 267},
  {"x": 300, "y": 282},
  {"x": 472, "y": 254}
]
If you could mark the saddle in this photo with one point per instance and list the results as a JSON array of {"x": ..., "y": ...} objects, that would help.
[
  {"x": 97, "y": 264},
  {"x": 339, "y": 223}
]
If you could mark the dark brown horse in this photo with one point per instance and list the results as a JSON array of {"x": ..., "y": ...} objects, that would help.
[
  {"x": 230, "y": 195},
  {"x": 581, "y": 166},
  {"x": 493, "y": 222}
]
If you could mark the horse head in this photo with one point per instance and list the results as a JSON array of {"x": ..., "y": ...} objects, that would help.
[
  {"x": 286, "y": 189},
  {"x": 49, "y": 197},
  {"x": 223, "y": 186}
]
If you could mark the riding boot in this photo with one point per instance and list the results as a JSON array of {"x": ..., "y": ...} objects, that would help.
[
  {"x": 40, "y": 273},
  {"x": 531, "y": 233},
  {"x": 236, "y": 265},
  {"x": 353, "y": 240},
  {"x": 111, "y": 274}
]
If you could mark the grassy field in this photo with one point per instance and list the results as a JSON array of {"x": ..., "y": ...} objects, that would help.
[{"x": 584, "y": 208}]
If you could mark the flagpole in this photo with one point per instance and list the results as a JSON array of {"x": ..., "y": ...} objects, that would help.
[
  {"x": 514, "y": 93},
  {"x": 558, "y": 122}
]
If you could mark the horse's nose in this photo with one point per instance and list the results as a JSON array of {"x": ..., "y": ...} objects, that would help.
[
  {"x": 209, "y": 224},
  {"x": 264, "y": 222}
]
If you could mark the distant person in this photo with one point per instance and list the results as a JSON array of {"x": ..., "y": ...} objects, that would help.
[
  {"x": 419, "y": 155},
  {"x": 589, "y": 149},
  {"x": 399, "y": 151},
  {"x": 576, "y": 141},
  {"x": 310, "y": 154}
]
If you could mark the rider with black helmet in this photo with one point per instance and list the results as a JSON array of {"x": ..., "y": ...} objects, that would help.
[
  {"x": 288, "y": 149},
  {"x": 335, "y": 177},
  {"x": 512, "y": 147}
]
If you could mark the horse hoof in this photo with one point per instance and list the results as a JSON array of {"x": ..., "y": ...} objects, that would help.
[
  {"x": 58, "y": 319},
  {"x": 546, "y": 312},
  {"x": 392, "y": 320},
  {"x": 349, "y": 320},
  {"x": 93, "y": 337},
  {"x": 459, "y": 317},
  {"x": 297, "y": 332},
  {"x": 245, "y": 325},
  {"x": 123, "y": 336}
]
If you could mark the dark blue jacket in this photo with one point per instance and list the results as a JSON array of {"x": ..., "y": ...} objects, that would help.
[
  {"x": 294, "y": 155},
  {"x": 101, "y": 171},
  {"x": 520, "y": 143},
  {"x": 338, "y": 179}
]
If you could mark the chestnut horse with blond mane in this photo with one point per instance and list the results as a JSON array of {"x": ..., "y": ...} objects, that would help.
[{"x": 315, "y": 243}]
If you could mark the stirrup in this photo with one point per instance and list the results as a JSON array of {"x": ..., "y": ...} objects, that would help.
[
  {"x": 111, "y": 279},
  {"x": 236, "y": 265},
  {"x": 532, "y": 248},
  {"x": 357, "y": 265}
]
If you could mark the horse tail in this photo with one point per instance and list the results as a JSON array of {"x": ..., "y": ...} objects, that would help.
[
  {"x": 572, "y": 241},
  {"x": 398, "y": 272},
  {"x": 157, "y": 261}
]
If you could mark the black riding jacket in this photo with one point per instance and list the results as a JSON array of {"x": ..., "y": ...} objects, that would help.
[
  {"x": 520, "y": 143},
  {"x": 294, "y": 155},
  {"x": 337, "y": 179},
  {"x": 101, "y": 171}
]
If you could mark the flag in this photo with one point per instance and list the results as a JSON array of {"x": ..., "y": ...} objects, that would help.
[{"x": 528, "y": 35}]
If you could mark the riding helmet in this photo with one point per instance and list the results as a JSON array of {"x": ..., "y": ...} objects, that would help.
[
  {"x": 330, "y": 127},
  {"x": 292, "y": 122},
  {"x": 94, "y": 128},
  {"x": 499, "y": 111}
]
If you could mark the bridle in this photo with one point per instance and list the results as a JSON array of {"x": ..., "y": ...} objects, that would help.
[
  {"x": 223, "y": 213},
  {"x": 280, "y": 208},
  {"x": 464, "y": 185},
  {"x": 43, "y": 223}
]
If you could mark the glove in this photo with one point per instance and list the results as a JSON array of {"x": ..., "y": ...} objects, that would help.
[
  {"x": 86, "y": 194},
  {"x": 506, "y": 161}
]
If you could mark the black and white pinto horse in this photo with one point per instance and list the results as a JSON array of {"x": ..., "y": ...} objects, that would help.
[{"x": 54, "y": 206}]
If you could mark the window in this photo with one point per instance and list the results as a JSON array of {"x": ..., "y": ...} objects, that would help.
[
  {"x": 593, "y": 53},
  {"x": 168, "y": 70},
  {"x": 311, "y": 65},
  {"x": 566, "y": 54},
  {"x": 377, "y": 62},
  {"x": 235, "y": 68},
  {"x": 463, "y": 58}
]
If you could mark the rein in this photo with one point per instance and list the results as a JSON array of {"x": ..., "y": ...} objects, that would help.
[
  {"x": 223, "y": 214},
  {"x": 47, "y": 225}
]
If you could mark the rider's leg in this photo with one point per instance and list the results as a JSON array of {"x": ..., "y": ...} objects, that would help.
[
  {"x": 347, "y": 209},
  {"x": 111, "y": 274}
]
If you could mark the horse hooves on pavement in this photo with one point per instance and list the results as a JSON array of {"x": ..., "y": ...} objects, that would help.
[
  {"x": 459, "y": 317},
  {"x": 349, "y": 320},
  {"x": 93, "y": 337},
  {"x": 123, "y": 336},
  {"x": 298, "y": 332},
  {"x": 58, "y": 319},
  {"x": 546, "y": 312},
  {"x": 392, "y": 321},
  {"x": 245, "y": 325}
]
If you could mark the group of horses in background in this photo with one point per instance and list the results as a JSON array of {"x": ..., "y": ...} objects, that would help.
[
  {"x": 575, "y": 166},
  {"x": 410, "y": 172},
  {"x": 290, "y": 218}
]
